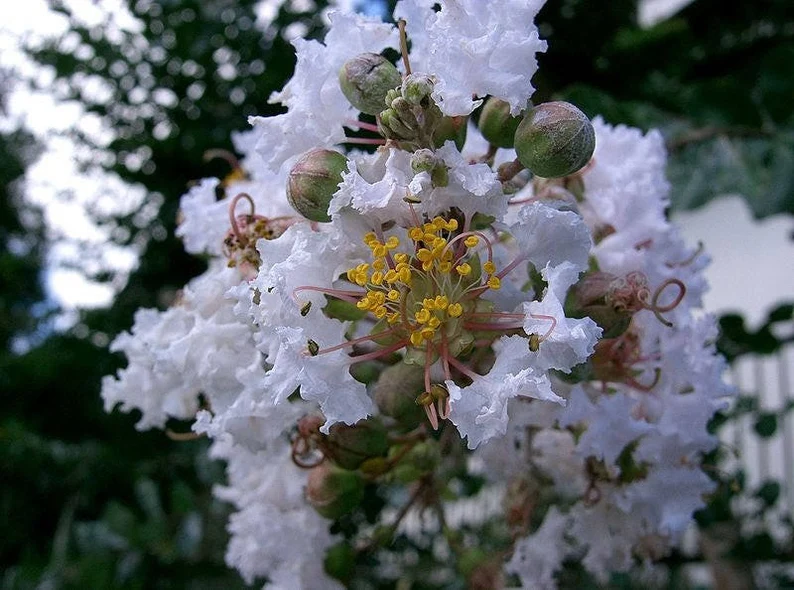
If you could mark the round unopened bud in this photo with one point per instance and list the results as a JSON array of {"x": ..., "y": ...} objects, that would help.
[
  {"x": 417, "y": 87},
  {"x": 312, "y": 182},
  {"x": 350, "y": 446},
  {"x": 496, "y": 123},
  {"x": 392, "y": 394},
  {"x": 555, "y": 139},
  {"x": 334, "y": 492},
  {"x": 451, "y": 128},
  {"x": 366, "y": 79}
]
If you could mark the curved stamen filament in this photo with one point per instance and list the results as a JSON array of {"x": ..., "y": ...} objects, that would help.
[
  {"x": 355, "y": 341},
  {"x": 462, "y": 368},
  {"x": 365, "y": 141},
  {"x": 467, "y": 234},
  {"x": 233, "y": 218},
  {"x": 362, "y": 125},
  {"x": 349, "y": 296},
  {"x": 681, "y": 292},
  {"x": 518, "y": 260},
  {"x": 378, "y": 353},
  {"x": 550, "y": 318},
  {"x": 631, "y": 381},
  {"x": 221, "y": 154},
  {"x": 492, "y": 326}
]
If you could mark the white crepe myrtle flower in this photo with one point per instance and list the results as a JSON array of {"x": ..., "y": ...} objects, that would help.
[
  {"x": 317, "y": 109},
  {"x": 475, "y": 48}
]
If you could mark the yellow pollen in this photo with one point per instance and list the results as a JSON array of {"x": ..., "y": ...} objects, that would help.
[
  {"x": 434, "y": 323},
  {"x": 380, "y": 311},
  {"x": 416, "y": 233},
  {"x": 424, "y": 255},
  {"x": 489, "y": 267},
  {"x": 471, "y": 241},
  {"x": 463, "y": 269},
  {"x": 452, "y": 225},
  {"x": 422, "y": 316},
  {"x": 369, "y": 238},
  {"x": 455, "y": 310},
  {"x": 393, "y": 317},
  {"x": 441, "y": 302},
  {"x": 379, "y": 264},
  {"x": 393, "y": 295},
  {"x": 379, "y": 250},
  {"x": 377, "y": 278},
  {"x": 494, "y": 283},
  {"x": 416, "y": 338},
  {"x": 445, "y": 266},
  {"x": 401, "y": 258},
  {"x": 392, "y": 242},
  {"x": 427, "y": 333}
]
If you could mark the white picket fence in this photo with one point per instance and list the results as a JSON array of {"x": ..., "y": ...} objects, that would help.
[{"x": 769, "y": 379}]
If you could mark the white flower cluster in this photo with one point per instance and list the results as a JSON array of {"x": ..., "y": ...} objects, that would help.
[{"x": 553, "y": 327}]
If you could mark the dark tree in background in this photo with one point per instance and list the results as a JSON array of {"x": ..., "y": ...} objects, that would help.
[{"x": 89, "y": 502}]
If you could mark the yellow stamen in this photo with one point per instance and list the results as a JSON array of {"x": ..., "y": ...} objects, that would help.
[
  {"x": 494, "y": 283},
  {"x": 489, "y": 267},
  {"x": 455, "y": 310},
  {"x": 471, "y": 241},
  {"x": 463, "y": 269}
]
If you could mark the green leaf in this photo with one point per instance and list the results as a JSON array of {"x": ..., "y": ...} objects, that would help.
[{"x": 766, "y": 425}]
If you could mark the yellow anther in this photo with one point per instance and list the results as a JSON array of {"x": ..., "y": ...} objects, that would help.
[
  {"x": 393, "y": 317},
  {"x": 351, "y": 275},
  {"x": 445, "y": 266},
  {"x": 489, "y": 267},
  {"x": 422, "y": 316},
  {"x": 392, "y": 242},
  {"x": 439, "y": 243},
  {"x": 361, "y": 279},
  {"x": 428, "y": 303},
  {"x": 429, "y": 238},
  {"x": 439, "y": 223},
  {"x": 379, "y": 250},
  {"x": 379, "y": 297},
  {"x": 427, "y": 333},
  {"x": 424, "y": 255},
  {"x": 441, "y": 302},
  {"x": 393, "y": 295},
  {"x": 416, "y": 338},
  {"x": 370, "y": 237},
  {"x": 452, "y": 225},
  {"x": 426, "y": 266},
  {"x": 391, "y": 276},
  {"x": 405, "y": 275},
  {"x": 362, "y": 303},
  {"x": 401, "y": 258},
  {"x": 434, "y": 322},
  {"x": 377, "y": 278},
  {"x": 447, "y": 256},
  {"x": 380, "y": 311},
  {"x": 416, "y": 233},
  {"x": 464, "y": 269},
  {"x": 471, "y": 241},
  {"x": 379, "y": 264},
  {"x": 363, "y": 267},
  {"x": 455, "y": 310},
  {"x": 429, "y": 228},
  {"x": 494, "y": 283}
]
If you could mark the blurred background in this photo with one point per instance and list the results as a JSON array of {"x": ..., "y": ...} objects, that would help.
[{"x": 107, "y": 108}]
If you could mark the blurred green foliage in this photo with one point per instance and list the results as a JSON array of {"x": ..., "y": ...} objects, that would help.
[{"x": 87, "y": 501}]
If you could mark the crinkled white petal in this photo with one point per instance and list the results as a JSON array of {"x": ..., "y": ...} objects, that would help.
[
  {"x": 549, "y": 236},
  {"x": 199, "y": 346},
  {"x": 475, "y": 48},
  {"x": 317, "y": 109},
  {"x": 610, "y": 426},
  {"x": 479, "y": 410},
  {"x": 539, "y": 556},
  {"x": 571, "y": 341}
]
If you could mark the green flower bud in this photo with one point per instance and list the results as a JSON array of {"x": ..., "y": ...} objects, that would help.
[
  {"x": 496, "y": 124},
  {"x": 350, "y": 446},
  {"x": 395, "y": 393},
  {"x": 366, "y": 79},
  {"x": 451, "y": 128},
  {"x": 555, "y": 139},
  {"x": 417, "y": 87},
  {"x": 340, "y": 561},
  {"x": 334, "y": 492},
  {"x": 312, "y": 182},
  {"x": 423, "y": 160}
]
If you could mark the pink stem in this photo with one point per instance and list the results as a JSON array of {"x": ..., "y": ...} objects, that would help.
[
  {"x": 362, "y": 125},
  {"x": 552, "y": 319},
  {"x": 378, "y": 353},
  {"x": 510, "y": 266},
  {"x": 356, "y": 341},
  {"x": 365, "y": 141},
  {"x": 490, "y": 326},
  {"x": 349, "y": 296},
  {"x": 463, "y": 368},
  {"x": 233, "y": 217}
]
